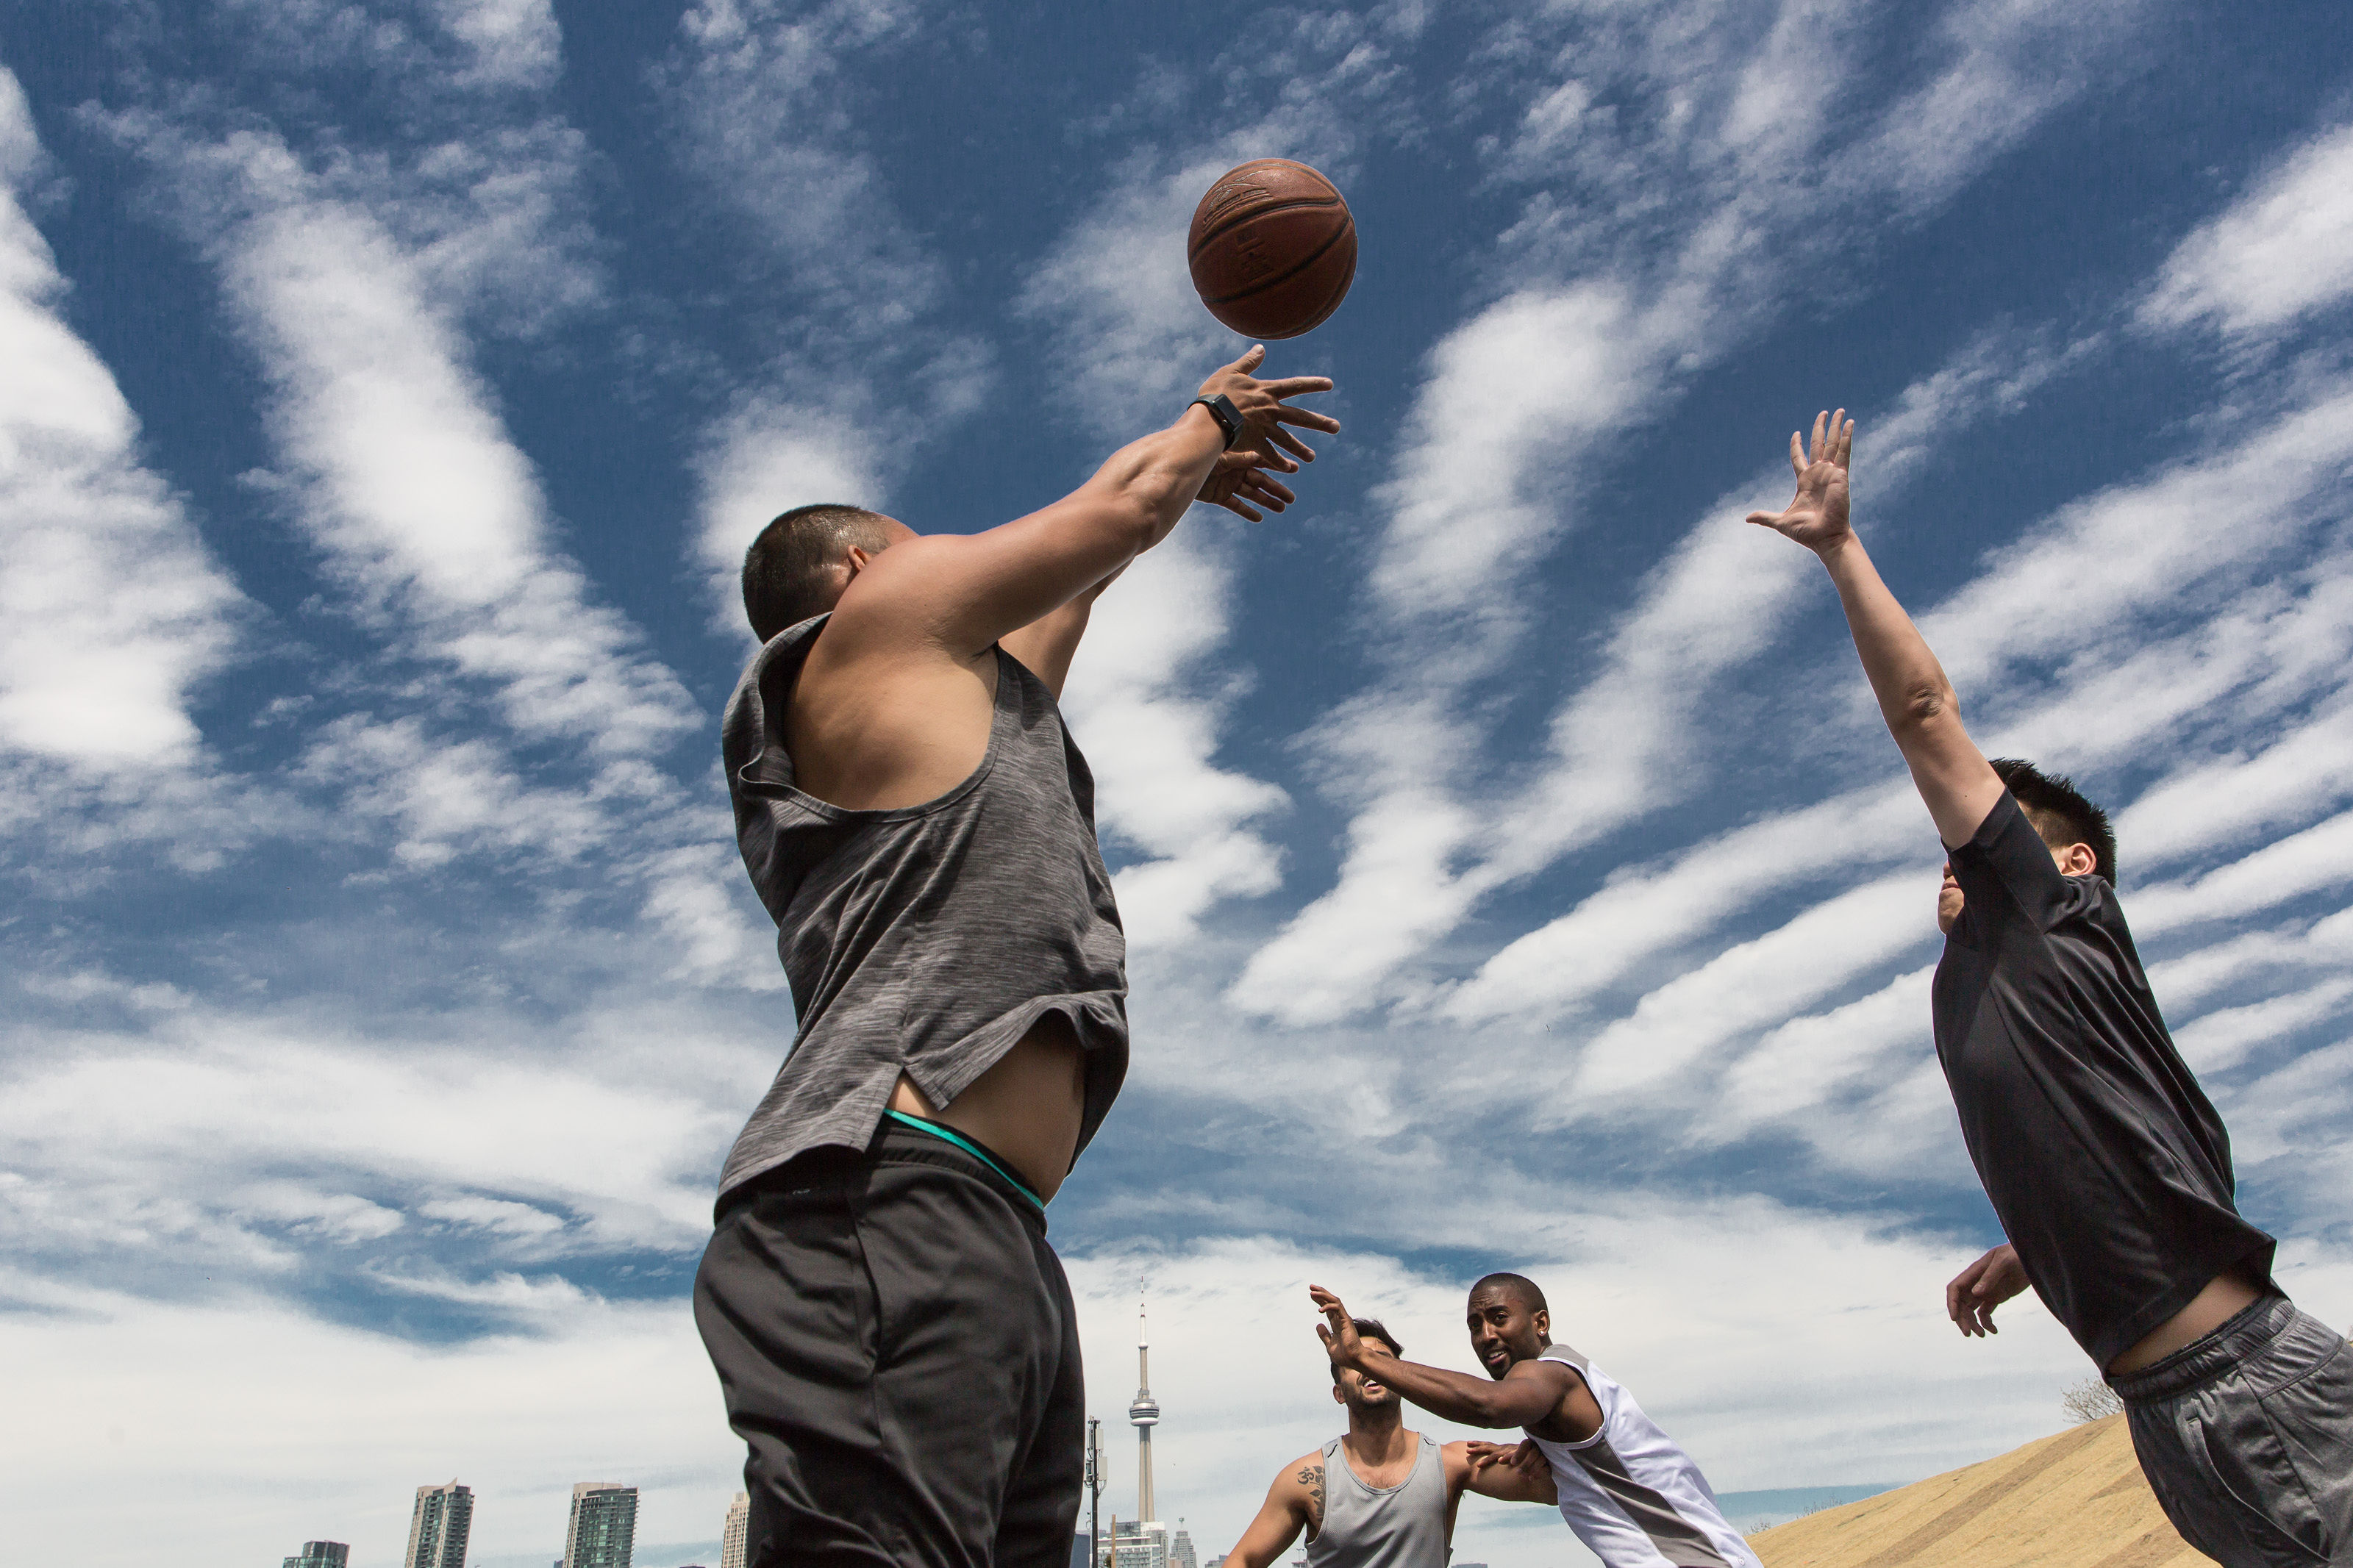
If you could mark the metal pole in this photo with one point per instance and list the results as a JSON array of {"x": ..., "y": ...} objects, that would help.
[{"x": 1095, "y": 1490}]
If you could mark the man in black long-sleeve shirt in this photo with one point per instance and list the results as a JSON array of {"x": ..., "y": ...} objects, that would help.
[{"x": 2105, "y": 1161}]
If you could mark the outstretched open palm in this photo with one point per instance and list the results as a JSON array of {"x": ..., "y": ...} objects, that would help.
[
  {"x": 1816, "y": 516},
  {"x": 1243, "y": 482}
]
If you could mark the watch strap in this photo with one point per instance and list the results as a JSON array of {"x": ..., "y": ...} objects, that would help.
[{"x": 1229, "y": 418}]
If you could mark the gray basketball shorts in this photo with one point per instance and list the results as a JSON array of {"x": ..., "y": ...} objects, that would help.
[
  {"x": 897, "y": 1347},
  {"x": 2246, "y": 1437}
]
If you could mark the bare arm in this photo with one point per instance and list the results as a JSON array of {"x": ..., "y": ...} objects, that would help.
[
  {"x": 1491, "y": 1471},
  {"x": 1294, "y": 1502},
  {"x": 961, "y": 592},
  {"x": 1047, "y": 645},
  {"x": 1526, "y": 1395},
  {"x": 1972, "y": 1294},
  {"x": 1915, "y": 698}
]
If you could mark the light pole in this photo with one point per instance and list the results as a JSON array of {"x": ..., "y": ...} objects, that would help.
[{"x": 1095, "y": 1493}]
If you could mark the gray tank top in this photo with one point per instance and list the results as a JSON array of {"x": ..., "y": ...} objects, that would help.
[
  {"x": 1403, "y": 1527},
  {"x": 925, "y": 939}
]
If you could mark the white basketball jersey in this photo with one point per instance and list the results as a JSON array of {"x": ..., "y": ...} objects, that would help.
[{"x": 1630, "y": 1494}]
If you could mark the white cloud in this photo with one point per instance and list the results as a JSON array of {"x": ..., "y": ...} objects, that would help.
[
  {"x": 2224, "y": 1038},
  {"x": 90, "y": 984},
  {"x": 766, "y": 458},
  {"x": 1509, "y": 397},
  {"x": 410, "y": 484},
  {"x": 1748, "y": 986},
  {"x": 1146, "y": 696},
  {"x": 700, "y": 896},
  {"x": 1648, "y": 910},
  {"x": 1797, "y": 1065},
  {"x": 208, "y": 1104},
  {"x": 863, "y": 370},
  {"x": 2316, "y": 860},
  {"x": 2202, "y": 808},
  {"x": 494, "y": 1215},
  {"x": 515, "y": 42},
  {"x": 2129, "y": 549},
  {"x": 1526, "y": 406},
  {"x": 345, "y": 1218},
  {"x": 112, "y": 612},
  {"x": 445, "y": 799},
  {"x": 1137, "y": 701},
  {"x": 2281, "y": 252},
  {"x": 2006, "y": 65}
]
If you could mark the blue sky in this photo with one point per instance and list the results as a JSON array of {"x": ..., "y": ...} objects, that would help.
[{"x": 1516, "y": 875}]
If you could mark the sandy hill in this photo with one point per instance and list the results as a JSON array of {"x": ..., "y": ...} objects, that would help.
[{"x": 2075, "y": 1500}]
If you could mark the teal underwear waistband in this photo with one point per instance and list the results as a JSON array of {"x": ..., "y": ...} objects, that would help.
[{"x": 947, "y": 1134}]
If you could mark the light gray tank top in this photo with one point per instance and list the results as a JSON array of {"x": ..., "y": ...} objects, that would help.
[
  {"x": 1404, "y": 1527},
  {"x": 925, "y": 939}
]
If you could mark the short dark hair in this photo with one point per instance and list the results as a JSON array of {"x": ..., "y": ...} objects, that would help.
[
  {"x": 783, "y": 572},
  {"x": 1372, "y": 1328},
  {"x": 1518, "y": 1285},
  {"x": 2059, "y": 813}
]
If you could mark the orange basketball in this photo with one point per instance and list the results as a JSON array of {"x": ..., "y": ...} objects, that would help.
[{"x": 1273, "y": 248}]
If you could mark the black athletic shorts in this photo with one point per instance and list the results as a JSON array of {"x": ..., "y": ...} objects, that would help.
[{"x": 896, "y": 1343}]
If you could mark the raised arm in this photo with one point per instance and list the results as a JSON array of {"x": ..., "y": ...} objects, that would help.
[
  {"x": 1523, "y": 1396},
  {"x": 1047, "y": 645},
  {"x": 1915, "y": 698},
  {"x": 1295, "y": 1501},
  {"x": 961, "y": 592}
]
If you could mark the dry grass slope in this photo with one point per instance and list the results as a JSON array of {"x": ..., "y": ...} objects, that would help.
[{"x": 2075, "y": 1500}]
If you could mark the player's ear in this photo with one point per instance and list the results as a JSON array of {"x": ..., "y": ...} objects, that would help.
[
  {"x": 1338, "y": 1397},
  {"x": 1544, "y": 1322},
  {"x": 2077, "y": 860}
]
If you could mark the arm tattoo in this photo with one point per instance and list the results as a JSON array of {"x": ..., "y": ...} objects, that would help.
[{"x": 1311, "y": 1478}]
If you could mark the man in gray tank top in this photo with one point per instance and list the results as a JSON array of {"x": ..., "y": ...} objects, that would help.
[
  {"x": 893, "y": 1337},
  {"x": 1380, "y": 1496}
]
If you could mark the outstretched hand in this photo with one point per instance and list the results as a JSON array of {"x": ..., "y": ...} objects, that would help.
[
  {"x": 1523, "y": 1456},
  {"x": 1973, "y": 1293},
  {"x": 1262, "y": 406},
  {"x": 1338, "y": 1329},
  {"x": 1816, "y": 516},
  {"x": 1239, "y": 485}
]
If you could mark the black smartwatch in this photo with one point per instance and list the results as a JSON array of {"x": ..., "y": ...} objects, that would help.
[{"x": 1229, "y": 418}]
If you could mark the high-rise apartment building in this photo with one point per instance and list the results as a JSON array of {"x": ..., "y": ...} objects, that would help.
[
  {"x": 733, "y": 1544},
  {"x": 437, "y": 1530},
  {"x": 321, "y": 1554},
  {"x": 604, "y": 1528}
]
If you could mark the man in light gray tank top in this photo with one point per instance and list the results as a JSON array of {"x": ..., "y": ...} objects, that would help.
[
  {"x": 1380, "y": 1496},
  {"x": 894, "y": 1339}
]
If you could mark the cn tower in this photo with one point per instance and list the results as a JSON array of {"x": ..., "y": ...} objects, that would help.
[{"x": 1144, "y": 1411}]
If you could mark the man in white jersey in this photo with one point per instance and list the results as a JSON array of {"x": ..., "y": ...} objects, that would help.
[
  {"x": 1634, "y": 1498},
  {"x": 1380, "y": 1497}
]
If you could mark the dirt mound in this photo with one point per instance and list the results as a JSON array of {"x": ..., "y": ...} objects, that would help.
[{"x": 2074, "y": 1501}]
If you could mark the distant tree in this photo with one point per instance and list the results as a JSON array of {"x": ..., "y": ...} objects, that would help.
[{"x": 2090, "y": 1400}]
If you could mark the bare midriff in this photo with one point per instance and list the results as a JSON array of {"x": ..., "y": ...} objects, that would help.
[
  {"x": 1026, "y": 1109},
  {"x": 2224, "y": 1297}
]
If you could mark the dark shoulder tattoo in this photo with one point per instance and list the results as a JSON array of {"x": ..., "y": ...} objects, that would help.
[{"x": 1310, "y": 1476}]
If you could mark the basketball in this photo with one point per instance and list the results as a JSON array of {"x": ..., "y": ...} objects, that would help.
[{"x": 1273, "y": 248}]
